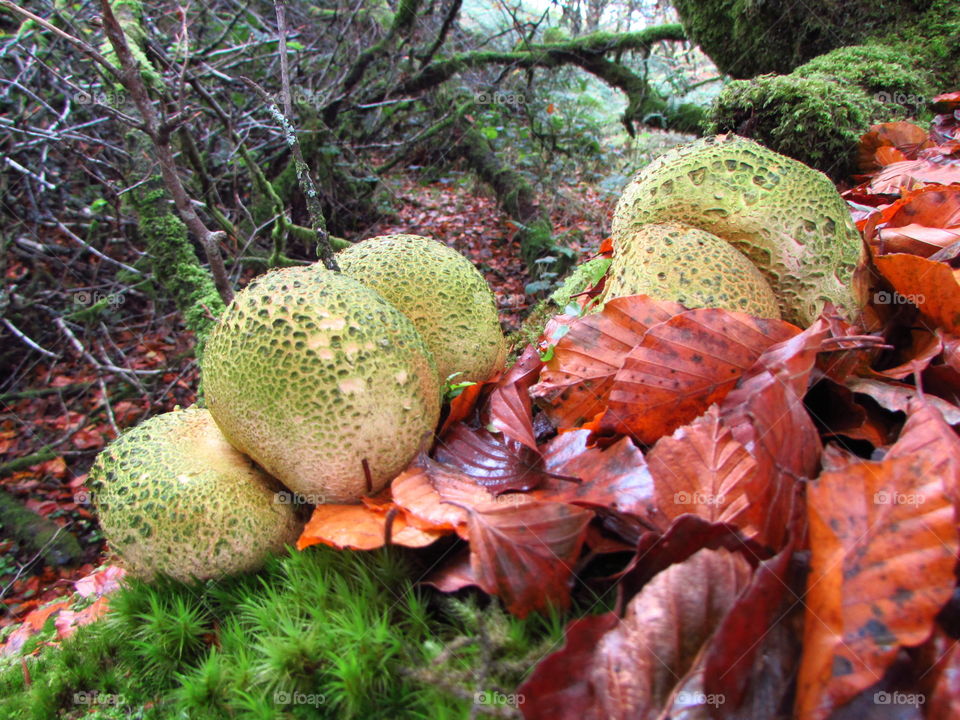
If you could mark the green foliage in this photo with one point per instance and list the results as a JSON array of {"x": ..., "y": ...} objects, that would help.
[{"x": 317, "y": 634}]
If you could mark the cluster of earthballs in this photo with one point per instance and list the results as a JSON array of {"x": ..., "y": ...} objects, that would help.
[{"x": 329, "y": 383}]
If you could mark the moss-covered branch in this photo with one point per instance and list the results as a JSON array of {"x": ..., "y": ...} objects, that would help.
[
  {"x": 176, "y": 266},
  {"x": 588, "y": 52},
  {"x": 39, "y": 534}
]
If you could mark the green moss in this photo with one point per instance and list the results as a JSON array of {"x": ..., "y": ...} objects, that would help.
[
  {"x": 817, "y": 113},
  {"x": 815, "y": 120},
  {"x": 318, "y": 634},
  {"x": 746, "y": 38},
  {"x": 174, "y": 261}
]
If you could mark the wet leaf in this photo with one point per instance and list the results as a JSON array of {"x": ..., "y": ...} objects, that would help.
[
  {"x": 525, "y": 553},
  {"x": 684, "y": 365},
  {"x": 883, "y": 540},
  {"x": 360, "y": 527},
  {"x": 702, "y": 469}
]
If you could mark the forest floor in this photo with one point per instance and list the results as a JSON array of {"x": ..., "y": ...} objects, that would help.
[{"x": 70, "y": 407}]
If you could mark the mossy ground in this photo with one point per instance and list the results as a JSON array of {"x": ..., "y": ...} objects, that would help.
[{"x": 316, "y": 634}]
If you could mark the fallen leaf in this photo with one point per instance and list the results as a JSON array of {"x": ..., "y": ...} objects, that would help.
[
  {"x": 360, "y": 527},
  {"x": 883, "y": 545},
  {"x": 559, "y": 688},
  {"x": 640, "y": 668},
  {"x": 684, "y": 365},
  {"x": 703, "y": 470},
  {"x": 525, "y": 553},
  {"x": 575, "y": 383},
  {"x": 490, "y": 459}
]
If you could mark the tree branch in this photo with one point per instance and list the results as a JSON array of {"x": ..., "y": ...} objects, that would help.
[{"x": 159, "y": 134}]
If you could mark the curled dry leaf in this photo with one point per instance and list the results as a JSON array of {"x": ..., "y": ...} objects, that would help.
[
  {"x": 684, "y": 365},
  {"x": 575, "y": 383},
  {"x": 640, "y": 667},
  {"x": 616, "y": 477},
  {"x": 883, "y": 540},
  {"x": 510, "y": 409},
  {"x": 490, "y": 459}
]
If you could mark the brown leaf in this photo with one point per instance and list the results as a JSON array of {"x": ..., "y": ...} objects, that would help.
[
  {"x": 509, "y": 406},
  {"x": 909, "y": 174},
  {"x": 883, "y": 541},
  {"x": 454, "y": 575},
  {"x": 684, "y": 365},
  {"x": 616, "y": 477},
  {"x": 432, "y": 496},
  {"x": 729, "y": 664},
  {"x": 702, "y": 469},
  {"x": 575, "y": 383},
  {"x": 491, "y": 460},
  {"x": 767, "y": 417},
  {"x": 640, "y": 667},
  {"x": 525, "y": 553},
  {"x": 559, "y": 688},
  {"x": 896, "y": 397}
]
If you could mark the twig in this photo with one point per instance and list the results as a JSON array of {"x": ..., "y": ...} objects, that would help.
[
  {"x": 27, "y": 341},
  {"x": 159, "y": 134},
  {"x": 324, "y": 249}
]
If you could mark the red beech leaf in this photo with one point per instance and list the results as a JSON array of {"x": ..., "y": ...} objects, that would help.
[
  {"x": 641, "y": 668},
  {"x": 728, "y": 670},
  {"x": 883, "y": 542},
  {"x": 434, "y": 496},
  {"x": 558, "y": 688},
  {"x": 492, "y": 460},
  {"x": 702, "y": 469},
  {"x": 525, "y": 553},
  {"x": 684, "y": 365},
  {"x": 575, "y": 383},
  {"x": 509, "y": 405},
  {"x": 924, "y": 347},
  {"x": 454, "y": 575},
  {"x": 616, "y": 477},
  {"x": 927, "y": 434},
  {"x": 766, "y": 417},
  {"x": 930, "y": 285}
]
